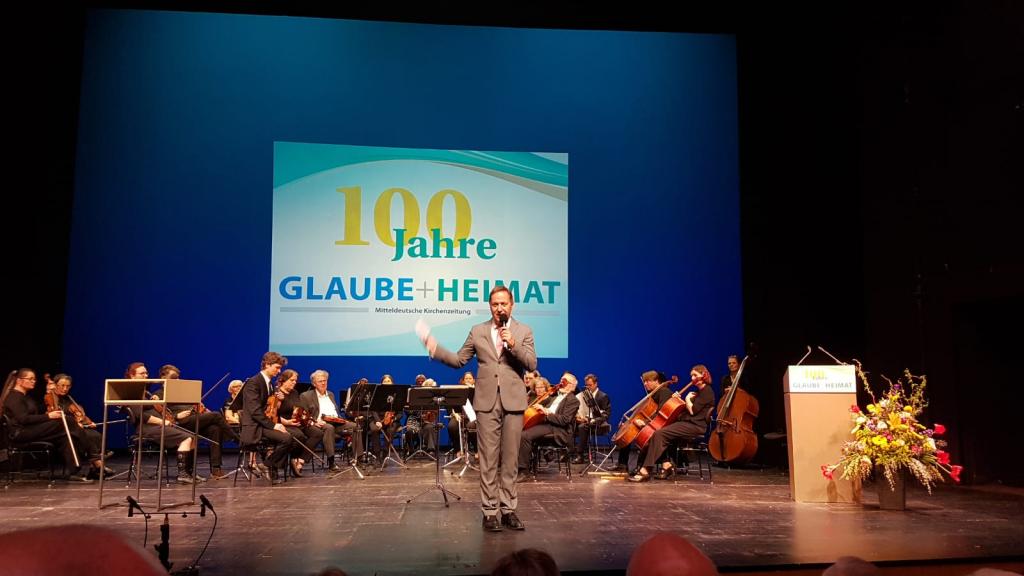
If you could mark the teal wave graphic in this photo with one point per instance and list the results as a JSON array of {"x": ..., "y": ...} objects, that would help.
[{"x": 541, "y": 172}]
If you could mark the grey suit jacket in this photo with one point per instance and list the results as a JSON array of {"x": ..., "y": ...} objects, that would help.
[{"x": 500, "y": 376}]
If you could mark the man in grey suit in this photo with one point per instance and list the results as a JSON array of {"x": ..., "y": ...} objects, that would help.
[{"x": 504, "y": 351}]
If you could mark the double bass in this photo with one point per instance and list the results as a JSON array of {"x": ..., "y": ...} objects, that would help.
[
  {"x": 733, "y": 439},
  {"x": 646, "y": 409}
]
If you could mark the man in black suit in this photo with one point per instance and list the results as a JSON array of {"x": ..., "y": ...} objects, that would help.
[
  {"x": 504, "y": 352},
  {"x": 254, "y": 421},
  {"x": 559, "y": 414},
  {"x": 319, "y": 401},
  {"x": 595, "y": 406}
]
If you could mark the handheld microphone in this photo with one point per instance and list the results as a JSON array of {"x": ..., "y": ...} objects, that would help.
[
  {"x": 504, "y": 326},
  {"x": 205, "y": 502}
]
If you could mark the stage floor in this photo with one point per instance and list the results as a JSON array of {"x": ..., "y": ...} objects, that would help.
[{"x": 744, "y": 521}]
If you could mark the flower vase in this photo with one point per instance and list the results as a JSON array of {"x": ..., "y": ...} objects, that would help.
[{"x": 891, "y": 497}]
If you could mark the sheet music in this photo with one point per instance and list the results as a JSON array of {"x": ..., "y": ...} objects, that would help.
[{"x": 467, "y": 409}]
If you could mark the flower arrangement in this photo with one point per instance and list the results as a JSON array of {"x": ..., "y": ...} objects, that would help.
[{"x": 887, "y": 434}]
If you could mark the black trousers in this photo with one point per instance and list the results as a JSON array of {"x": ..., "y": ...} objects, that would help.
[
  {"x": 215, "y": 427},
  {"x": 661, "y": 438},
  {"x": 280, "y": 443},
  {"x": 53, "y": 431}
]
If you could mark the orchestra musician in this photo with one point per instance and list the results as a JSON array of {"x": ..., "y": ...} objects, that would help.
[
  {"x": 595, "y": 406},
  {"x": 419, "y": 423},
  {"x": 154, "y": 418},
  {"x": 729, "y": 379},
  {"x": 459, "y": 420},
  {"x": 692, "y": 424},
  {"x": 528, "y": 379},
  {"x": 559, "y": 414},
  {"x": 324, "y": 414},
  {"x": 387, "y": 423},
  {"x": 29, "y": 424},
  {"x": 651, "y": 380},
  {"x": 212, "y": 425},
  {"x": 231, "y": 416},
  {"x": 303, "y": 430},
  {"x": 91, "y": 435},
  {"x": 256, "y": 425}
]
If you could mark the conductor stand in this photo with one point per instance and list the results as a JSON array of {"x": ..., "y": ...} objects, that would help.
[
  {"x": 468, "y": 459},
  {"x": 434, "y": 398},
  {"x": 360, "y": 396},
  {"x": 385, "y": 400},
  {"x": 163, "y": 549}
]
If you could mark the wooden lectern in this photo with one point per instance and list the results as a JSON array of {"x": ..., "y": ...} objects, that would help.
[
  {"x": 132, "y": 392},
  {"x": 818, "y": 400}
]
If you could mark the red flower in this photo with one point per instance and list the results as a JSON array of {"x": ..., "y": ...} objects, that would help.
[
  {"x": 940, "y": 429},
  {"x": 855, "y": 409},
  {"x": 954, "y": 473},
  {"x": 826, "y": 472},
  {"x": 943, "y": 456}
]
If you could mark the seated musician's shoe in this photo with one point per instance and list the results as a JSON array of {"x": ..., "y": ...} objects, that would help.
[
  {"x": 217, "y": 473},
  {"x": 640, "y": 477},
  {"x": 578, "y": 460},
  {"x": 664, "y": 473},
  {"x": 332, "y": 465},
  {"x": 512, "y": 522},
  {"x": 522, "y": 476},
  {"x": 274, "y": 475},
  {"x": 260, "y": 470},
  {"x": 84, "y": 479},
  {"x": 492, "y": 524},
  {"x": 619, "y": 468},
  {"x": 297, "y": 468}
]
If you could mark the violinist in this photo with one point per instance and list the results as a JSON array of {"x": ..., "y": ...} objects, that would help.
[
  {"x": 293, "y": 414},
  {"x": 559, "y": 415},
  {"x": 256, "y": 425},
  {"x": 29, "y": 424},
  {"x": 153, "y": 419},
  {"x": 91, "y": 436},
  {"x": 324, "y": 414},
  {"x": 651, "y": 379},
  {"x": 460, "y": 420},
  {"x": 692, "y": 424},
  {"x": 211, "y": 424},
  {"x": 231, "y": 416},
  {"x": 595, "y": 406}
]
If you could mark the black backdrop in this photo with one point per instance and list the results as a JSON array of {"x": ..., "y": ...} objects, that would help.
[{"x": 880, "y": 179}]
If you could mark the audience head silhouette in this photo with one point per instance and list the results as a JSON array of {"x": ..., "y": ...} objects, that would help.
[
  {"x": 666, "y": 554},
  {"x": 526, "y": 562}
]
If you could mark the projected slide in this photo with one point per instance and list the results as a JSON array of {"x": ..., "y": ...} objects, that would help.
[{"x": 367, "y": 240}]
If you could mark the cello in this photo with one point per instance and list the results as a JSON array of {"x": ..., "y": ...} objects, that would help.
[
  {"x": 534, "y": 414},
  {"x": 646, "y": 409},
  {"x": 733, "y": 439}
]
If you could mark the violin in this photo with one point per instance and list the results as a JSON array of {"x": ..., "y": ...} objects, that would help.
[
  {"x": 302, "y": 416},
  {"x": 273, "y": 404},
  {"x": 734, "y": 439},
  {"x": 334, "y": 419},
  {"x": 389, "y": 418},
  {"x": 645, "y": 410}
]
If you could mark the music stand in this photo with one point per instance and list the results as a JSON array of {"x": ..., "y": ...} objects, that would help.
[
  {"x": 357, "y": 404},
  {"x": 354, "y": 465},
  {"x": 467, "y": 455},
  {"x": 386, "y": 398},
  {"x": 434, "y": 398}
]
